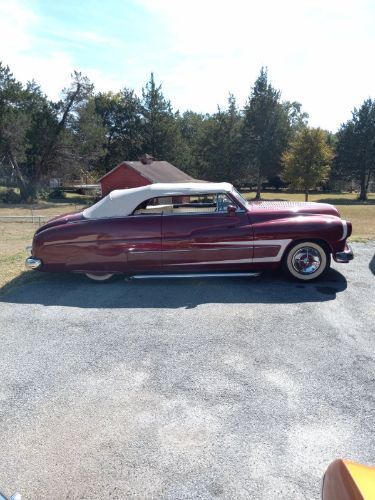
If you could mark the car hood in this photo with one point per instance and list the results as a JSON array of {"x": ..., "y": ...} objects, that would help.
[
  {"x": 59, "y": 220},
  {"x": 290, "y": 208}
]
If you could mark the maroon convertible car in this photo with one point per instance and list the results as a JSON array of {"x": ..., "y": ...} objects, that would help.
[{"x": 191, "y": 229}]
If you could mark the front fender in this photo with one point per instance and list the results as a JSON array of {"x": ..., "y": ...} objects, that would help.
[{"x": 330, "y": 229}]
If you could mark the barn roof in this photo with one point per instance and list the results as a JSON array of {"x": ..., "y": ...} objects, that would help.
[{"x": 155, "y": 171}]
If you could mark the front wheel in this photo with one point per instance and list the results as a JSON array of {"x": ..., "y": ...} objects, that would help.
[
  {"x": 99, "y": 277},
  {"x": 306, "y": 261}
]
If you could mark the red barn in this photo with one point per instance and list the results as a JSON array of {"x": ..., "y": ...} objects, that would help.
[{"x": 130, "y": 174}]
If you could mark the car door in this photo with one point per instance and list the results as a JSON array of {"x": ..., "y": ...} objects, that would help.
[
  {"x": 121, "y": 244},
  {"x": 199, "y": 236},
  {"x": 130, "y": 244},
  {"x": 144, "y": 243}
]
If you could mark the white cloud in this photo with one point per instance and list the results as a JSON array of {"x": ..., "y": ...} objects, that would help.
[
  {"x": 14, "y": 23},
  {"x": 317, "y": 52},
  {"x": 51, "y": 69},
  {"x": 17, "y": 24}
]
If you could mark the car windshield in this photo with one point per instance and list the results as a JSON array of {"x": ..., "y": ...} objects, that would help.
[{"x": 240, "y": 198}]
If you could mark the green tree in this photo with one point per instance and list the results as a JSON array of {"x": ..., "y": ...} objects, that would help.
[
  {"x": 14, "y": 123},
  {"x": 297, "y": 118},
  {"x": 307, "y": 161},
  {"x": 355, "y": 150},
  {"x": 27, "y": 120},
  {"x": 86, "y": 135},
  {"x": 70, "y": 140},
  {"x": 219, "y": 143},
  {"x": 265, "y": 131},
  {"x": 121, "y": 116},
  {"x": 33, "y": 130},
  {"x": 161, "y": 137},
  {"x": 190, "y": 130}
]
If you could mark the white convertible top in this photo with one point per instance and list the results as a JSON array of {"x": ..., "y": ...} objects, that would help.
[{"x": 121, "y": 202}]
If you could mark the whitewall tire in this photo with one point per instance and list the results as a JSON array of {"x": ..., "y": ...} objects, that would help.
[
  {"x": 99, "y": 277},
  {"x": 306, "y": 261}
]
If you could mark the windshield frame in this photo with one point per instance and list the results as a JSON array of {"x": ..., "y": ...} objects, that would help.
[{"x": 238, "y": 196}]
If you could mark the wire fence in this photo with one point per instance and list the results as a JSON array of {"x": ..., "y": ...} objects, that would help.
[{"x": 34, "y": 219}]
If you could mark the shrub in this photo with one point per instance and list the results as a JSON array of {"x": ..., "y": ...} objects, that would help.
[
  {"x": 10, "y": 196},
  {"x": 56, "y": 194}
]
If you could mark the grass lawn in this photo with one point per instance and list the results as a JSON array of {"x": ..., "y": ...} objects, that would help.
[
  {"x": 15, "y": 236},
  {"x": 362, "y": 215}
]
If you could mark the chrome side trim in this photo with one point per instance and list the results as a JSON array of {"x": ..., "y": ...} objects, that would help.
[
  {"x": 194, "y": 275},
  {"x": 222, "y": 213},
  {"x": 255, "y": 243},
  {"x": 200, "y": 263},
  {"x": 248, "y": 243},
  {"x": 32, "y": 263},
  {"x": 283, "y": 242},
  {"x": 133, "y": 251},
  {"x": 239, "y": 244}
]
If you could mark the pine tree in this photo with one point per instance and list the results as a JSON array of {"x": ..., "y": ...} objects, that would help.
[
  {"x": 160, "y": 129},
  {"x": 219, "y": 145},
  {"x": 191, "y": 126},
  {"x": 14, "y": 123},
  {"x": 355, "y": 150},
  {"x": 265, "y": 131}
]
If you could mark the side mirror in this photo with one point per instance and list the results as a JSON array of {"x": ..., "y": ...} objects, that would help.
[{"x": 231, "y": 210}]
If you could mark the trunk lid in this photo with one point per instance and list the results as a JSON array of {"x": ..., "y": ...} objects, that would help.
[{"x": 61, "y": 219}]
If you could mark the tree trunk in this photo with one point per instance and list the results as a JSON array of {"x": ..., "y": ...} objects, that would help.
[
  {"x": 259, "y": 185},
  {"x": 20, "y": 179},
  {"x": 60, "y": 127},
  {"x": 306, "y": 194},
  {"x": 363, "y": 190},
  {"x": 257, "y": 195},
  {"x": 368, "y": 180}
]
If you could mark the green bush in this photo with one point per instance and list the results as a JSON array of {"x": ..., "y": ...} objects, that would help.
[
  {"x": 10, "y": 196},
  {"x": 56, "y": 194}
]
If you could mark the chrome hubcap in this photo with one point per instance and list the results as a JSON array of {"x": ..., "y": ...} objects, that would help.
[{"x": 306, "y": 260}]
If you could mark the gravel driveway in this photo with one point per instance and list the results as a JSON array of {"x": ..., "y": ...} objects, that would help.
[{"x": 235, "y": 388}]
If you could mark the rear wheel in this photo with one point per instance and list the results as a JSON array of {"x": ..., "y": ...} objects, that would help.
[
  {"x": 306, "y": 261},
  {"x": 99, "y": 277}
]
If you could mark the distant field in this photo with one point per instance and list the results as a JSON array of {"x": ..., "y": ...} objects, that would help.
[
  {"x": 15, "y": 236},
  {"x": 334, "y": 198},
  {"x": 362, "y": 215}
]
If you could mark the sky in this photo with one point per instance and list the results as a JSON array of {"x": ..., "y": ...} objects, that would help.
[{"x": 318, "y": 52}]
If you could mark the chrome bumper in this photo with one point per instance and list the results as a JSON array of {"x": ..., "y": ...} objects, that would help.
[
  {"x": 346, "y": 255},
  {"x": 32, "y": 263}
]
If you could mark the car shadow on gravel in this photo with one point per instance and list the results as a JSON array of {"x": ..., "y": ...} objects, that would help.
[{"x": 73, "y": 290}]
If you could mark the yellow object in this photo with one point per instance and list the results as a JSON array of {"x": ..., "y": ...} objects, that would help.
[
  {"x": 364, "y": 478},
  {"x": 347, "y": 480}
]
